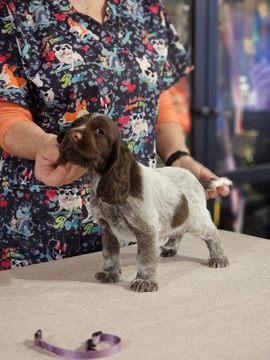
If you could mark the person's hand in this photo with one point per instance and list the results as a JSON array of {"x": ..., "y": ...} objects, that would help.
[
  {"x": 201, "y": 172},
  {"x": 46, "y": 168}
]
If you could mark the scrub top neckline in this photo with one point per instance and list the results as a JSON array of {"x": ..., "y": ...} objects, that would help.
[{"x": 69, "y": 8}]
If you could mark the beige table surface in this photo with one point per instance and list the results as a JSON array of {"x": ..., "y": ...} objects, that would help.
[{"x": 198, "y": 312}]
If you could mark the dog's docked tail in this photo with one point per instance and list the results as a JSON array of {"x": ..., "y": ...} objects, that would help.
[{"x": 212, "y": 184}]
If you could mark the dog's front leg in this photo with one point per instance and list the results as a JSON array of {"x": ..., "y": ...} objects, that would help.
[
  {"x": 147, "y": 261},
  {"x": 111, "y": 249}
]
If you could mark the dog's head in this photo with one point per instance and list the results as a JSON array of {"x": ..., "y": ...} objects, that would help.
[
  {"x": 63, "y": 51},
  {"x": 93, "y": 141}
]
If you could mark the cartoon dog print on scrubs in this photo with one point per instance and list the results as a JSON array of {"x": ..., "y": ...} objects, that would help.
[
  {"x": 80, "y": 110},
  {"x": 139, "y": 126},
  {"x": 110, "y": 60},
  {"x": 55, "y": 250},
  {"x": 48, "y": 95},
  {"x": 69, "y": 201},
  {"x": 37, "y": 9},
  {"x": 21, "y": 222},
  {"x": 147, "y": 75},
  {"x": 24, "y": 175},
  {"x": 10, "y": 79},
  {"x": 160, "y": 47},
  {"x": 80, "y": 30},
  {"x": 15, "y": 263},
  {"x": 67, "y": 56},
  {"x": 30, "y": 18},
  {"x": 133, "y": 8}
]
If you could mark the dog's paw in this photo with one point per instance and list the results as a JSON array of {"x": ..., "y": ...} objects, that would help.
[
  {"x": 218, "y": 262},
  {"x": 142, "y": 285},
  {"x": 107, "y": 277},
  {"x": 167, "y": 252}
]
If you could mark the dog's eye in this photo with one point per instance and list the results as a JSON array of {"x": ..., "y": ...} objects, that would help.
[{"x": 99, "y": 130}]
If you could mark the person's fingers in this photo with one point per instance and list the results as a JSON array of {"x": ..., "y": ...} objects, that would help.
[
  {"x": 49, "y": 175},
  {"x": 74, "y": 172},
  {"x": 212, "y": 194},
  {"x": 59, "y": 175},
  {"x": 223, "y": 190}
]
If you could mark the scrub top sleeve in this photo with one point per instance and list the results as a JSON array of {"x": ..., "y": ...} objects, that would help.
[
  {"x": 14, "y": 86},
  {"x": 177, "y": 63}
]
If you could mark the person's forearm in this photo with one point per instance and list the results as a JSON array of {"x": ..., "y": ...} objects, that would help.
[
  {"x": 170, "y": 138},
  {"x": 24, "y": 138}
]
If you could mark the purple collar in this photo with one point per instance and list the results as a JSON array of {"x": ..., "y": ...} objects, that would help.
[{"x": 90, "y": 351}]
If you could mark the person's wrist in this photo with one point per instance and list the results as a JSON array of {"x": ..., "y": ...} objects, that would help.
[
  {"x": 177, "y": 155},
  {"x": 46, "y": 143},
  {"x": 45, "y": 139}
]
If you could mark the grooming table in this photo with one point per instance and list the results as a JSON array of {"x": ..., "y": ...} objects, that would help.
[{"x": 198, "y": 313}]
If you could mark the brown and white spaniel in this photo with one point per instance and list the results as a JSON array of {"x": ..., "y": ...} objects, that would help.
[{"x": 153, "y": 207}]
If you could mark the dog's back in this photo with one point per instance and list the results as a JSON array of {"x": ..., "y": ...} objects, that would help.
[{"x": 174, "y": 199}]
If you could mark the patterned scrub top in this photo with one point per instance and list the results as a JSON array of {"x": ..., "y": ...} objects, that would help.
[{"x": 60, "y": 64}]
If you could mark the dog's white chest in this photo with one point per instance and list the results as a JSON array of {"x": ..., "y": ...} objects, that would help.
[{"x": 114, "y": 217}]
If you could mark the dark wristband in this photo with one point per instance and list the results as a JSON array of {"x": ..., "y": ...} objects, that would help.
[{"x": 175, "y": 156}]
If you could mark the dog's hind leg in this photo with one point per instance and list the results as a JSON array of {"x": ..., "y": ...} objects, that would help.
[
  {"x": 208, "y": 232},
  {"x": 111, "y": 253},
  {"x": 170, "y": 248},
  {"x": 217, "y": 257}
]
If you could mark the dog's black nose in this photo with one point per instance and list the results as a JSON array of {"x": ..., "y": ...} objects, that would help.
[{"x": 75, "y": 136}]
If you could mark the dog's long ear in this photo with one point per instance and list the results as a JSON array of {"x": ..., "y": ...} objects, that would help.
[{"x": 114, "y": 185}]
